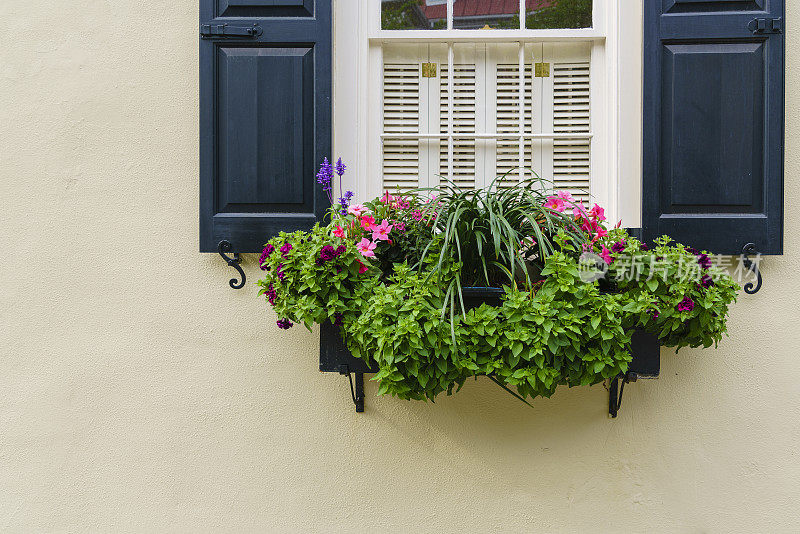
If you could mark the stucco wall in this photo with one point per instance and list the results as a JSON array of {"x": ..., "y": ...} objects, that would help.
[{"x": 139, "y": 393}]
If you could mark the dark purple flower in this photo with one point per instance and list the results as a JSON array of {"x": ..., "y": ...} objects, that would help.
[
  {"x": 325, "y": 175},
  {"x": 268, "y": 249},
  {"x": 618, "y": 247},
  {"x": 644, "y": 246},
  {"x": 286, "y": 248},
  {"x": 341, "y": 249},
  {"x": 285, "y": 324},
  {"x": 654, "y": 314},
  {"x": 281, "y": 275},
  {"x": 686, "y": 304},
  {"x": 327, "y": 253},
  {"x": 706, "y": 281},
  {"x": 272, "y": 295},
  {"x": 340, "y": 167},
  {"x": 692, "y": 250},
  {"x": 704, "y": 261}
]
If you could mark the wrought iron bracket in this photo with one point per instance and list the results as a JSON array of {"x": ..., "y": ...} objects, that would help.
[
  {"x": 223, "y": 247},
  {"x": 751, "y": 266},
  {"x": 615, "y": 391},
  {"x": 357, "y": 392}
]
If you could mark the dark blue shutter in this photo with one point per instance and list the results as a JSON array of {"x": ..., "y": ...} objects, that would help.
[
  {"x": 265, "y": 118},
  {"x": 713, "y": 123}
]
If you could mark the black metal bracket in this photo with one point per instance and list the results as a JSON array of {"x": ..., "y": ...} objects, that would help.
[
  {"x": 357, "y": 392},
  {"x": 615, "y": 392},
  {"x": 223, "y": 247},
  {"x": 751, "y": 266}
]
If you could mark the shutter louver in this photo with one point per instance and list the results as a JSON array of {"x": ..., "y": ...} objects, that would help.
[
  {"x": 464, "y": 118},
  {"x": 571, "y": 157},
  {"x": 401, "y": 114},
  {"x": 508, "y": 123},
  {"x": 265, "y": 118},
  {"x": 714, "y": 124}
]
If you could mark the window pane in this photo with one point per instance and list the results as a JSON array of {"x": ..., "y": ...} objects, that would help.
[
  {"x": 413, "y": 14},
  {"x": 555, "y": 14},
  {"x": 486, "y": 14}
]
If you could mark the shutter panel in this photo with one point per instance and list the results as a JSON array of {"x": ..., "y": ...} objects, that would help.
[
  {"x": 401, "y": 114},
  {"x": 713, "y": 124},
  {"x": 464, "y": 122},
  {"x": 265, "y": 118},
  {"x": 507, "y": 76},
  {"x": 571, "y": 157}
]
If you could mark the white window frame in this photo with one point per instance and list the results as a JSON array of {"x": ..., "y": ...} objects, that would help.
[{"x": 615, "y": 117}]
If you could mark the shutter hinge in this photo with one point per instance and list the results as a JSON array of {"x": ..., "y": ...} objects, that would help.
[
  {"x": 760, "y": 26},
  {"x": 541, "y": 70},
  {"x": 429, "y": 70},
  {"x": 210, "y": 31}
]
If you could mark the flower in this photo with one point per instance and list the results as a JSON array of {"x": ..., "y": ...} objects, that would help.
[
  {"x": 643, "y": 246},
  {"x": 268, "y": 249},
  {"x": 416, "y": 215},
  {"x": 578, "y": 211},
  {"x": 362, "y": 268},
  {"x": 555, "y": 203},
  {"x": 655, "y": 314},
  {"x": 618, "y": 247},
  {"x": 272, "y": 295},
  {"x": 367, "y": 222},
  {"x": 381, "y": 232},
  {"x": 344, "y": 202},
  {"x": 281, "y": 275},
  {"x": 325, "y": 175},
  {"x": 704, "y": 261},
  {"x": 285, "y": 324},
  {"x": 286, "y": 248},
  {"x": 387, "y": 198},
  {"x": 327, "y": 253},
  {"x": 338, "y": 231},
  {"x": 366, "y": 248},
  {"x": 606, "y": 255},
  {"x": 400, "y": 227},
  {"x": 564, "y": 195},
  {"x": 686, "y": 304},
  {"x": 340, "y": 167},
  {"x": 598, "y": 213},
  {"x": 358, "y": 210},
  {"x": 706, "y": 281}
]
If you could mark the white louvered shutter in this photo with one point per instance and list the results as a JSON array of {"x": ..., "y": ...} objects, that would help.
[{"x": 464, "y": 122}]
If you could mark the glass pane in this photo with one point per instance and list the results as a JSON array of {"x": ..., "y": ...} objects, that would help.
[
  {"x": 486, "y": 14},
  {"x": 555, "y": 14},
  {"x": 413, "y": 14}
]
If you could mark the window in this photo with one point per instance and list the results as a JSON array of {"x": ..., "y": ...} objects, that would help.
[{"x": 531, "y": 94}]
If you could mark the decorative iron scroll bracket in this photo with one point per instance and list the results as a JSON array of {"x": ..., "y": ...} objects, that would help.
[
  {"x": 752, "y": 266},
  {"x": 615, "y": 392},
  {"x": 223, "y": 247},
  {"x": 357, "y": 392}
]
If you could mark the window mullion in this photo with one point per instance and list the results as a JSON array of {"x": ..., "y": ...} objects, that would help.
[
  {"x": 450, "y": 107},
  {"x": 521, "y": 114}
]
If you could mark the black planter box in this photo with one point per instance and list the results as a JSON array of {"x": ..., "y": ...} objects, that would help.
[{"x": 334, "y": 357}]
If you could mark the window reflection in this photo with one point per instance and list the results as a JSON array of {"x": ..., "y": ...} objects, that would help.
[
  {"x": 555, "y": 14},
  {"x": 413, "y": 14},
  {"x": 486, "y": 14}
]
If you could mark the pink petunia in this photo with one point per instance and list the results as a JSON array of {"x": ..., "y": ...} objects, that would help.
[
  {"x": 381, "y": 232},
  {"x": 366, "y": 248},
  {"x": 338, "y": 232},
  {"x": 358, "y": 210},
  {"x": 578, "y": 210},
  {"x": 362, "y": 268},
  {"x": 367, "y": 222},
  {"x": 606, "y": 255}
]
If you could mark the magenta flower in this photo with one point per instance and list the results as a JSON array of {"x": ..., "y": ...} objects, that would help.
[
  {"x": 644, "y": 247},
  {"x": 366, "y": 248},
  {"x": 279, "y": 272},
  {"x": 341, "y": 249},
  {"x": 416, "y": 215},
  {"x": 285, "y": 249},
  {"x": 704, "y": 261},
  {"x": 598, "y": 213},
  {"x": 686, "y": 304},
  {"x": 268, "y": 249},
  {"x": 706, "y": 281},
  {"x": 327, "y": 254},
  {"x": 618, "y": 247},
  {"x": 284, "y": 324},
  {"x": 606, "y": 255},
  {"x": 338, "y": 231},
  {"x": 381, "y": 231},
  {"x": 555, "y": 204}
]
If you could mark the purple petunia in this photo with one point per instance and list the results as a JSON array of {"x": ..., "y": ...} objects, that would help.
[
  {"x": 618, "y": 247},
  {"x": 327, "y": 253},
  {"x": 341, "y": 249},
  {"x": 686, "y": 304},
  {"x": 272, "y": 295},
  {"x": 268, "y": 249},
  {"x": 285, "y": 249},
  {"x": 704, "y": 261},
  {"x": 279, "y": 272},
  {"x": 644, "y": 247},
  {"x": 706, "y": 281},
  {"x": 284, "y": 324}
]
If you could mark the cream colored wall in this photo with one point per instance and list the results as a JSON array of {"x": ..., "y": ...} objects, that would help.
[{"x": 139, "y": 393}]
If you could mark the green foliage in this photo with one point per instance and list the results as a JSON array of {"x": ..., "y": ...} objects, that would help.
[{"x": 668, "y": 274}]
